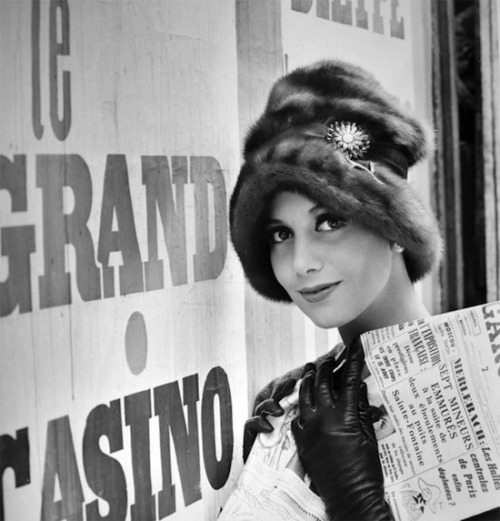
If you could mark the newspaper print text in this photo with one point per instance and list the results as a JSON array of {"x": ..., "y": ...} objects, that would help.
[{"x": 492, "y": 319}]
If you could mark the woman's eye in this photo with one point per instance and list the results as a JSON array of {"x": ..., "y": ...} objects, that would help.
[
  {"x": 279, "y": 235},
  {"x": 328, "y": 223}
]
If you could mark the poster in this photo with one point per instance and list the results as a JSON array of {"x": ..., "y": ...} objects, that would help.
[{"x": 130, "y": 344}]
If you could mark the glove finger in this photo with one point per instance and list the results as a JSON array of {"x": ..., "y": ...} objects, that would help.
[
  {"x": 284, "y": 389},
  {"x": 351, "y": 379},
  {"x": 324, "y": 383},
  {"x": 246, "y": 450},
  {"x": 253, "y": 427},
  {"x": 363, "y": 404},
  {"x": 258, "y": 424},
  {"x": 306, "y": 396},
  {"x": 308, "y": 367},
  {"x": 269, "y": 407},
  {"x": 338, "y": 376},
  {"x": 365, "y": 413}
]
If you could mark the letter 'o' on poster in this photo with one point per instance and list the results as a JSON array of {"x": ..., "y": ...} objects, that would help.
[{"x": 136, "y": 343}]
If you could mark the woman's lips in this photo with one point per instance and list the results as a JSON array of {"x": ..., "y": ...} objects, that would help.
[{"x": 318, "y": 293}]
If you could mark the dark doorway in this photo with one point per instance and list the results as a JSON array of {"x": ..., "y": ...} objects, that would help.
[
  {"x": 468, "y": 85},
  {"x": 459, "y": 169}
]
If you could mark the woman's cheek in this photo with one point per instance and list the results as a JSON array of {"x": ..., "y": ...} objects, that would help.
[{"x": 279, "y": 265}]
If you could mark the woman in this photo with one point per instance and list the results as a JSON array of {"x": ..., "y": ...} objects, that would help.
[{"x": 322, "y": 216}]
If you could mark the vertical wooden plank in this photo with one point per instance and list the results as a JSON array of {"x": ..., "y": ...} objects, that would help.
[
  {"x": 490, "y": 77},
  {"x": 260, "y": 62},
  {"x": 447, "y": 157}
]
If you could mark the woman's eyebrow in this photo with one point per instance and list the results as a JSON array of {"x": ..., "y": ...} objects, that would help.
[
  {"x": 317, "y": 208},
  {"x": 272, "y": 221}
]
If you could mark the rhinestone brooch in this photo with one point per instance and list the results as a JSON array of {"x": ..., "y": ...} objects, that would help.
[{"x": 349, "y": 138}]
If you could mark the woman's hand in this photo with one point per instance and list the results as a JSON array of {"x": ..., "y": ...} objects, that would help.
[
  {"x": 267, "y": 407},
  {"x": 336, "y": 441}
]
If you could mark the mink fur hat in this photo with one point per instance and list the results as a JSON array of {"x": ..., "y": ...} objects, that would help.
[{"x": 331, "y": 132}]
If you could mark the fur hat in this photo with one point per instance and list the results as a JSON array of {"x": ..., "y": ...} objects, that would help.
[{"x": 330, "y": 132}]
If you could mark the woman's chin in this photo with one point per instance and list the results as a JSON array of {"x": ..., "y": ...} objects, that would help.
[{"x": 324, "y": 321}]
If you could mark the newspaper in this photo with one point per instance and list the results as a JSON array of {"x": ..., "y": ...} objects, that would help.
[
  {"x": 436, "y": 383},
  {"x": 434, "y": 387}
]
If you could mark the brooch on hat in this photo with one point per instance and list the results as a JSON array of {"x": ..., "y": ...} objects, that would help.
[
  {"x": 353, "y": 141},
  {"x": 349, "y": 138}
]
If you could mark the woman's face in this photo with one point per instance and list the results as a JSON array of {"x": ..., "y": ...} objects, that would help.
[{"x": 335, "y": 271}]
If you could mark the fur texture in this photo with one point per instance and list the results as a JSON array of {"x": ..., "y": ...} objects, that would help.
[{"x": 284, "y": 150}]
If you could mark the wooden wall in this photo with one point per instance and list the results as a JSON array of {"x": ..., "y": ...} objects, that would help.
[{"x": 130, "y": 344}]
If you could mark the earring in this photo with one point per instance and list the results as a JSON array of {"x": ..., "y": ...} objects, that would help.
[{"x": 398, "y": 248}]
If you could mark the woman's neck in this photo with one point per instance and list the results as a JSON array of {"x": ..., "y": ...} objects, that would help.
[{"x": 398, "y": 303}]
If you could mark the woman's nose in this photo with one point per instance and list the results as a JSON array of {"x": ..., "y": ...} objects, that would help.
[{"x": 306, "y": 257}]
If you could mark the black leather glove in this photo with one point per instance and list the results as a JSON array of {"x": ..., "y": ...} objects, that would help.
[
  {"x": 336, "y": 441},
  {"x": 266, "y": 407}
]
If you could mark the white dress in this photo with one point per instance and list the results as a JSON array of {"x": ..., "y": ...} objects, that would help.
[{"x": 273, "y": 485}]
